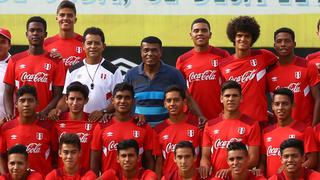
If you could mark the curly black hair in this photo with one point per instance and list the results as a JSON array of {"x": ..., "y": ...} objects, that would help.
[{"x": 243, "y": 24}]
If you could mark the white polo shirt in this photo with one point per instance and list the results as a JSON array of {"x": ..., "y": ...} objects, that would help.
[{"x": 3, "y": 67}]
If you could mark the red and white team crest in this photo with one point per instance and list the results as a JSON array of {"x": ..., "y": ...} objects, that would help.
[
  {"x": 241, "y": 130},
  {"x": 297, "y": 74},
  {"x": 88, "y": 126},
  {"x": 39, "y": 136},
  {"x": 78, "y": 49},
  {"x": 190, "y": 133},
  {"x": 136, "y": 134},
  {"x": 214, "y": 63},
  {"x": 47, "y": 66},
  {"x": 253, "y": 62},
  {"x": 103, "y": 76},
  {"x": 292, "y": 136}
]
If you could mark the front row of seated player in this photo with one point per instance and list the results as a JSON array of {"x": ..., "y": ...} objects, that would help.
[{"x": 43, "y": 141}]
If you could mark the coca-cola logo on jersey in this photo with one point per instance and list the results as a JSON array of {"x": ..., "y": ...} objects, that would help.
[
  {"x": 170, "y": 147},
  {"x": 71, "y": 60},
  {"x": 224, "y": 144},
  {"x": 112, "y": 146},
  {"x": 38, "y": 77},
  {"x": 207, "y": 75},
  {"x": 245, "y": 77},
  {"x": 294, "y": 87},
  {"x": 271, "y": 151},
  {"x": 82, "y": 136},
  {"x": 33, "y": 148}
]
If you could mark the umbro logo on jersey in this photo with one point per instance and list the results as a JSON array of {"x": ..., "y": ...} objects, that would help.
[
  {"x": 274, "y": 79},
  {"x": 216, "y": 131},
  {"x": 165, "y": 137},
  {"x": 109, "y": 134},
  {"x": 190, "y": 133},
  {"x": 13, "y": 136},
  {"x": 241, "y": 130},
  {"x": 39, "y": 136},
  {"x": 22, "y": 66},
  {"x": 253, "y": 62},
  {"x": 214, "y": 63},
  {"x": 62, "y": 125},
  {"x": 136, "y": 134},
  {"x": 269, "y": 139},
  {"x": 292, "y": 136},
  {"x": 78, "y": 49},
  {"x": 297, "y": 74},
  {"x": 189, "y": 66},
  {"x": 47, "y": 66},
  {"x": 228, "y": 71}
]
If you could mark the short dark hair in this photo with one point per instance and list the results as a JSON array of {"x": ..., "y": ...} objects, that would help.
[
  {"x": 123, "y": 87},
  {"x": 184, "y": 144},
  {"x": 18, "y": 149},
  {"x": 284, "y": 30},
  {"x": 231, "y": 85},
  {"x": 235, "y": 145},
  {"x": 94, "y": 31},
  {"x": 200, "y": 20},
  {"x": 128, "y": 143},
  {"x": 27, "y": 89},
  {"x": 152, "y": 40},
  {"x": 292, "y": 143},
  {"x": 39, "y": 20},
  {"x": 70, "y": 138},
  {"x": 67, "y": 4},
  {"x": 245, "y": 24},
  {"x": 176, "y": 88},
  {"x": 78, "y": 87},
  {"x": 284, "y": 91}
]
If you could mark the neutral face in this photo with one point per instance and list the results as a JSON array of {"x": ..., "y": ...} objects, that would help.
[
  {"x": 36, "y": 33},
  {"x": 284, "y": 44},
  {"x": 66, "y": 19},
  {"x": 123, "y": 102},
  {"x": 282, "y": 107},
  {"x": 231, "y": 99},
  {"x": 184, "y": 159},
  {"x": 174, "y": 103},
  {"x": 26, "y": 105},
  {"x": 243, "y": 41},
  {"x": 93, "y": 46},
  {"x": 76, "y": 101},
  {"x": 70, "y": 155},
  {"x": 237, "y": 161},
  {"x": 200, "y": 34},
  {"x": 151, "y": 54},
  {"x": 4, "y": 47},
  {"x": 128, "y": 159},
  {"x": 291, "y": 159},
  {"x": 17, "y": 166}
]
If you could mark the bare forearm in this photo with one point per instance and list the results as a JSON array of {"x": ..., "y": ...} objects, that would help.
[
  {"x": 95, "y": 162},
  {"x": 316, "y": 112},
  {"x": 158, "y": 168},
  {"x": 193, "y": 106},
  {"x": 311, "y": 161},
  {"x": 8, "y": 99},
  {"x": 3, "y": 169}
]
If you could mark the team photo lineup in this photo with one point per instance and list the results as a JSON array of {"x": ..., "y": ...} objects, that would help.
[{"x": 67, "y": 113}]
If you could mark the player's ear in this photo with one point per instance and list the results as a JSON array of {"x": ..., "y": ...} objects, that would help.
[
  {"x": 75, "y": 20},
  {"x": 118, "y": 160}
]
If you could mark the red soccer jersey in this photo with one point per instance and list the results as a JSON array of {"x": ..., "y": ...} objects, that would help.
[
  {"x": 107, "y": 136},
  {"x": 173, "y": 174},
  {"x": 169, "y": 134},
  {"x": 39, "y": 137},
  {"x": 317, "y": 132},
  {"x": 142, "y": 174},
  {"x": 38, "y": 70},
  {"x": 219, "y": 132},
  {"x": 274, "y": 135},
  {"x": 70, "y": 49},
  {"x": 250, "y": 73},
  {"x": 61, "y": 174},
  {"x": 299, "y": 77},
  {"x": 307, "y": 174},
  {"x": 31, "y": 175},
  {"x": 83, "y": 129},
  {"x": 250, "y": 176},
  {"x": 201, "y": 71}
]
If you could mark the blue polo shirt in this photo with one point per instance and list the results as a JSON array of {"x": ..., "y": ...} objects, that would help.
[{"x": 149, "y": 94}]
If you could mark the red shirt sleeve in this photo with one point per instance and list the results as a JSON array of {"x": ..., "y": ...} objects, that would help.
[
  {"x": 90, "y": 175},
  {"x": 312, "y": 73},
  {"x": 60, "y": 74},
  {"x": 35, "y": 176},
  {"x": 156, "y": 144},
  {"x": 178, "y": 66},
  {"x": 96, "y": 143},
  {"x": 10, "y": 73},
  {"x": 206, "y": 140},
  {"x": 52, "y": 175},
  {"x": 255, "y": 135},
  {"x": 54, "y": 139},
  {"x": 3, "y": 145},
  {"x": 270, "y": 58},
  {"x": 309, "y": 141},
  {"x": 148, "y": 174},
  {"x": 109, "y": 175},
  {"x": 148, "y": 145}
]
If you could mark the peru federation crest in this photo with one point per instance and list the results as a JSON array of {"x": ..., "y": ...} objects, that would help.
[
  {"x": 297, "y": 74},
  {"x": 190, "y": 133},
  {"x": 253, "y": 62},
  {"x": 47, "y": 66},
  {"x": 39, "y": 136},
  {"x": 214, "y": 63},
  {"x": 136, "y": 134},
  {"x": 241, "y": 130},
  {"x": 88, "y": 126}
]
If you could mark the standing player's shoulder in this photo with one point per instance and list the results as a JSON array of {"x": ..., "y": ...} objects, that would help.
[
  {"x": 76, "y": 66},
  {"x": 55, "y": 60},
  {"x": 51, "y": 40},
  {"x": 161, "y": 126},
  {"x": 313, "y": 56},
  {"x": 219, "y": 52},
  {"x": 9, "y": 125},
  {"x": 214, "y": 121},
  {"x": 16, "y": 57},
  {"x": 46, "y": 124},
  {"x": 109, "y": 66},
  {"x": 78, "y": 37},
  {"x": 300, "y": 126},
  {"x": 300, "y": 61},
  {"x": 185, "y": 56},
  {"x": 269, "y": 128},
  {"x": 247, "y": 120}
]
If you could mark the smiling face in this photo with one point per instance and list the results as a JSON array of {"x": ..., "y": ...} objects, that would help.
[
  {"x": 174, "y": 103},
  {"x": 151, "y": 54},
  {"x": 93, "y": 46},
  {"x": 123, "y": 101},
  {"x": 292, "y": 160},
  {"x": 76, "y": 101},
  {"x": 66, "y": 18},
  {"x": 243, "y": 41},
  {"x": 282, "y": 107},
  {"x": 17, "y": 165},
  {"x": 200, "y": 34},
  {"x": 237, "y": 161},
  {"x": 284, "y": 44}
]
